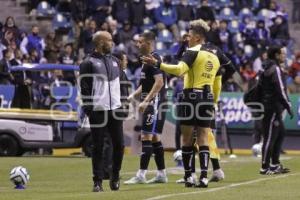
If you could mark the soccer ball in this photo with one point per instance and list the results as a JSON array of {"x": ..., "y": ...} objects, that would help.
[
  {"x": 177, "y": 155},
  {"x": 257, "y": 149},
  {"x": 19, "y": 176}
]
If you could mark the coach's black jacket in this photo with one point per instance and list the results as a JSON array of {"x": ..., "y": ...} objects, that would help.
[
  {"x": 274, "y": 95},
  {"x": 100, "y": 83}
]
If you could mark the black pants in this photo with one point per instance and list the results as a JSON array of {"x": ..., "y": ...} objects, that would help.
[
  {"x": 177, "y": 133},
  {"x": 258, "y": 131},
  {"x": 274, "y": 133},
  {"x": 100, "y": 122}
]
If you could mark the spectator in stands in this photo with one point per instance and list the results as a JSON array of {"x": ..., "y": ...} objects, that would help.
[
  {"x": 68, "y": 57},
  {"x": 23, "y": 94},
  {"x": 213, "y": 34},
  {"x": 205, "y": 12},
  {"x": 166, "y": 17},
  {"x": 121, "y": 11},
  {"x": 295, "y": 67},
  {"x": 280, "y": 31},
  {"x": 296, "y": 11},
  {"x": 225, "y": 36},
  {"x": 151, "y": 6},
  {"x": 33, "y": 56},
  {"x": 10, "y": 26},
  {"x": 8, "y": 39},
  {"x": 185, "y": 14},
  {"x": 137, "y": 13},
  {"x": 247, "y": 71},
  {"x": 52, "y": 47},
  {"x": 5, "y": 75},
  {"x": 79, "y": 10},
  {"x": 132, "y": 53},
  {"x": 99, "y": 10},
  {"x": 262, "y": 34},
  {"x": 257, "y": 64},
  {"x": 294, "y": 87},
  {"x": 126, "y": 33},
  {"x": 113, "y": 29},
  {"x": 239, "y": 58},
  {"x": 87, "y": 36},
  {"x": 33, "y": 42}
]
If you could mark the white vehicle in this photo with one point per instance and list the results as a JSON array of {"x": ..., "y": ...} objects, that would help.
[{"x": 47, "y": 126}]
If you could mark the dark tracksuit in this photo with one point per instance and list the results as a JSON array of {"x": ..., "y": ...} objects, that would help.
[
  {"x": 100, "y": 92},
  {"x": 275, "y": 101}
]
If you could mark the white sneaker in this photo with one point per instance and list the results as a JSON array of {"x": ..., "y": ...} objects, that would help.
[
  {"x": 203, "y": 183},
  {"x": 180, "y": 180},
  {"x": 217, "y": 176},
  {"x": 158, "y": 179},
  {"x": 135, "y": 180},
  {"x": 194, "y": 177}
]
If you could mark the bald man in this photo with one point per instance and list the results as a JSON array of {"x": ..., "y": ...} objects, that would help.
[{"x": 100, "y": 93}]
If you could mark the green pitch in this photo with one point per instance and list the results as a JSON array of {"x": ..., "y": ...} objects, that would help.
[{"x": 55, "y": 178}]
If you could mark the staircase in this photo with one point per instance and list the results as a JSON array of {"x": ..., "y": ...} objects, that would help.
[{"x": 23, "y": 20}]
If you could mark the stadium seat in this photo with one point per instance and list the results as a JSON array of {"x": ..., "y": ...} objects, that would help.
[
  {"x": 193, "y": 2},
  {"x": 219, "y": 4},
  {"x": 161, "y": 48},
  {"x": 226, "y": 14},
  {"x": 233, "y": 26},
  {"x": 255, "y": 4},
  {"x": 245, "y": 12},
  {"x": 60, "y": 23},
  {"x": 148, "y": 24},
  {"x": 263, "y": 14},
  {"x": 165, "y": 36},
  {"x": 44, "y": 10},
  {"x": 248, "y": 49},
  {"x": 174, "y": 49}
]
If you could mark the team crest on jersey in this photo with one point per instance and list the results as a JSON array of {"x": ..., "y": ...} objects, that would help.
[
  {"x": 209, "y": 66},
  {"x": 115, "y": 64},
  {"x": 149, "y": 119}
]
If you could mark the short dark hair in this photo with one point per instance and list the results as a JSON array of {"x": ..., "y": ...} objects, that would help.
[
  {"x": 149, "y": 36},
  {"x": 273, "y": 50}
]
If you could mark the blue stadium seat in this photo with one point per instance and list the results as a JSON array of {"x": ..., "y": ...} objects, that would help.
[
  {"x": 245, "y": 12},
  {"x": 176, "y": 2},
  {"x": 174, "y": 48},
  {"x": 233, "y": 26},
  {"x": 219, "y": 4},
  {"x": 165, "y": 36},
  {"x": 60, "y": 22},
  {"x": 148, "y": 24},
  {"x": 227, "y": 14},
  {"x": 193, "y": 2},
  {"x": 248, "y": 51},
  {"x": 44, "y": 10},
  {"x": 263, "y": 14},
  {"x": 161, "y": 49},
  {"x": 255, "y": 4}
]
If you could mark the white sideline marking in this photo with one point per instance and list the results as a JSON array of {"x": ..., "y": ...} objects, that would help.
[{"x": 221, "y": 188}]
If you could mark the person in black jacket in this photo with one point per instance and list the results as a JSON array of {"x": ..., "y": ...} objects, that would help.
[
  {"x": 275, "y": 100},
  {"x": 100, "y": 93}
]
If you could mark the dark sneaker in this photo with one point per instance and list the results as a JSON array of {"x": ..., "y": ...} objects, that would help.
[
  {"x": 189, "y": 182},
  {"x": 279, "y": 169},
  {"x": 203, "y": 183},
  {"x": 97, "y": 187},
  {"x": 114, "y": 182},
  {"x": 267, "y": 171}
]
